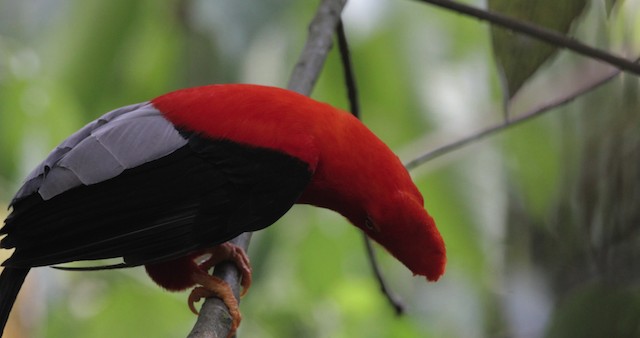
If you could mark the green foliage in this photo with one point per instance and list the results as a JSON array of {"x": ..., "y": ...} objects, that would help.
[
  {"x": 552, "y": 199},
  {"x": 519, "y": 56},
  {"x": 104, "y": 304},
  {"x": 617, "y": 309}
]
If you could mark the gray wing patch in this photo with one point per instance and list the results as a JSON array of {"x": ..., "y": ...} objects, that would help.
[{"x": 121, "y": 139}]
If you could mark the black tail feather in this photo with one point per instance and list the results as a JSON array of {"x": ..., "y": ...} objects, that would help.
[
  {"x": 11, "y": 281},
  {"x": 93, "y": 268}
]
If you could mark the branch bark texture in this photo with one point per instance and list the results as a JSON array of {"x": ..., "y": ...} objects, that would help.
[
  {"x": 214, "y": 320},
  {"x": 319, "y": 43},
  {"x": 582, "y": 89},
  {"x": 539, "y": 33}
]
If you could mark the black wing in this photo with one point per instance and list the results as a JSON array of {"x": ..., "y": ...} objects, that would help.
[{"x": 202, "y": 194}]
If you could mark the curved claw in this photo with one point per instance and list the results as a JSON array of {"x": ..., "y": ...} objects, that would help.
[
  {"x": 230, "y": 252},
  {"x": 215, "y": 287},
  {"x": 195, "y": 296},
  {"x": 241, "y": 260},
  {"x": 212, "y": 286}
]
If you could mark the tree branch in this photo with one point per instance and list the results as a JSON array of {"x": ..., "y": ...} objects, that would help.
[
  {"x": 214, "y": 320},
  {"x": 535, "y": 112},
  {"x": 347, "y": 69},
  {"x": 394, "y": 300},
  {"x": 319, "y": 43},
  {"x": 540, "y": 33}
]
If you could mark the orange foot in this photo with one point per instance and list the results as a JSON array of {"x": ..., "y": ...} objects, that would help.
[{"x": 212, "y": 286}]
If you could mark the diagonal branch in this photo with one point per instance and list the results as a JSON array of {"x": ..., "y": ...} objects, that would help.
[
  {"x": 539, "y": 33},
  {"x": 214, "y": 320},
  {"x": 535, "y": 112},
  {"x": 319, "y": 43}
]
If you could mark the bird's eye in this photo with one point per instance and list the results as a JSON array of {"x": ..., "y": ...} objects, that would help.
[{"x": 368, "y": 223}]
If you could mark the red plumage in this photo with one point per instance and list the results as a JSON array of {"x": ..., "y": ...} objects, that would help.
[
  {"x": 235, "y": 160},
  {"x": 357, "y": 170}
]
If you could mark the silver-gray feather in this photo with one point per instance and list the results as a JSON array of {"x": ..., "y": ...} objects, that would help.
[{"x": 121, "y": 139}]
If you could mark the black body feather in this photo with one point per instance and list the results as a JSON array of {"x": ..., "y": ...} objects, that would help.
[
  {"x": 201, "y": 195},
  {"x": 10, "y": 283}
]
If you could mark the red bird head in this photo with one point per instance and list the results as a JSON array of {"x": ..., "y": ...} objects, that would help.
[
  {"x": 407, "y": 231},
  {"x": 360, "y": 177}
]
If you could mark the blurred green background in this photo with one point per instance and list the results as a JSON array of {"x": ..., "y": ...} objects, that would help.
[{"x": 541, "y": 222}]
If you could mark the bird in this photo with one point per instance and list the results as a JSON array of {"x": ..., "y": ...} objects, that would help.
[{"x": 166, "y": 182}]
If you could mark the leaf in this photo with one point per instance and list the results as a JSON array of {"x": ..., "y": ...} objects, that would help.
[
  {"x": 609, "y": 5},
  {"x": 519, "y": 56}
]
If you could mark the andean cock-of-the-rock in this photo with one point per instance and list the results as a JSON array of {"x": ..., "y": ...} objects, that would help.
[{"x": 165, "y": 182}]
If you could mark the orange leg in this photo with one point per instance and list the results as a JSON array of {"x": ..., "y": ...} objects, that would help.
[
  {"x": 212, "y": 286},
  {"x": 233, "y": 253}
]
